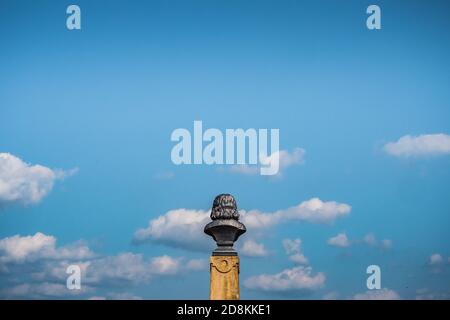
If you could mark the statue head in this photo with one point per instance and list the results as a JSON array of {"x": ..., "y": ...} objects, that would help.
[
  {"x": 224, "y": 207},
  {"x": 225, "y": 227}
]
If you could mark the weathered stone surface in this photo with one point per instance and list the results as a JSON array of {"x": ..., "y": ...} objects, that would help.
[{"x": 224, "y": 278}]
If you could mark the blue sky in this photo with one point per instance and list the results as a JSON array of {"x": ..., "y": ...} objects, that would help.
[{"x": 97, "y": 107}]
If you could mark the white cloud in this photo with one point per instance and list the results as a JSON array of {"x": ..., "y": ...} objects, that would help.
[
  {"x": 340, "y": 240},
  {"x": 299, "y": 258},
  {"x": 64, "y": 174},
  {"x": 165, "y": 265},
  {"x": 381, "y": 294},
  {"x": 256, "y": 220},
  {"x": 289, "y": 159},
  {"x": 39, "y": 246},
  {"x": 313, "y": 210},
  {"x": 285, "y": 160},
  {"x": 122, "y": 268},
  {"x": 295, "y": 279},
  {"x": 292, "y": 246},
  {"x": 293, "y": 249},
  {"x": 436, "y": 259},
  {"x": 422, "y": 145},
  {"x": 251, "y": 248},
  {"x": 24, "y": 183},
  {"x": 183, "y": 228}
]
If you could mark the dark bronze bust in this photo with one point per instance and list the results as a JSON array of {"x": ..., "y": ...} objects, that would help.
[{"x": 225, "y": 227}]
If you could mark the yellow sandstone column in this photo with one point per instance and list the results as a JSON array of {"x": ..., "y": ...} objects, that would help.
[
  {"x": 224, "y": 278},
  {"x": 225, "y": 229}
]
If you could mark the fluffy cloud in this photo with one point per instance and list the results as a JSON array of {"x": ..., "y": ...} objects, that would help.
[
  {"x": 422, "y": 145},
  {"x": 24, "y": 183},
  {"x": 293, "y": 250},
  {"x": 299, "y": 278},
  {"x": 165, "y": 265},
  {"x": 298, "y": 258},
  {"x": 286, "y": 160},
  {"x": 183, "y": 228},
  {"x": 340, "y": 240},
  {"x": 295, "y": 279},
  {"x": 251, "y": 248},
  {"x": 289, "y": 159},
  {"x": 178, "y": 228},
  {"x": 39, "y": 246},
  {"x": 381, "y": 294},
  {"x": 437, "y": 263},
  {"x": 314, "y": 211}
]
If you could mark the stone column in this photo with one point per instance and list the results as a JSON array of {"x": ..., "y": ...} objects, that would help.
[
  {"x": 224, "y": 262},
  {"x": 224, "y": 281}
]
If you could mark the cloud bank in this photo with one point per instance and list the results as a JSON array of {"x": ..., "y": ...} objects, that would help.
[
  {"x": 341, "y": 240},
  {"x": 295, "y": 279},
  {"x": 381, "y": 294},
  {"x": 40, "y": 265},
  {"x": 183, "y": 228}
]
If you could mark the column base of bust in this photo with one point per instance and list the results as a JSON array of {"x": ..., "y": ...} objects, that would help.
[{"x": 224, "y": 284}]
